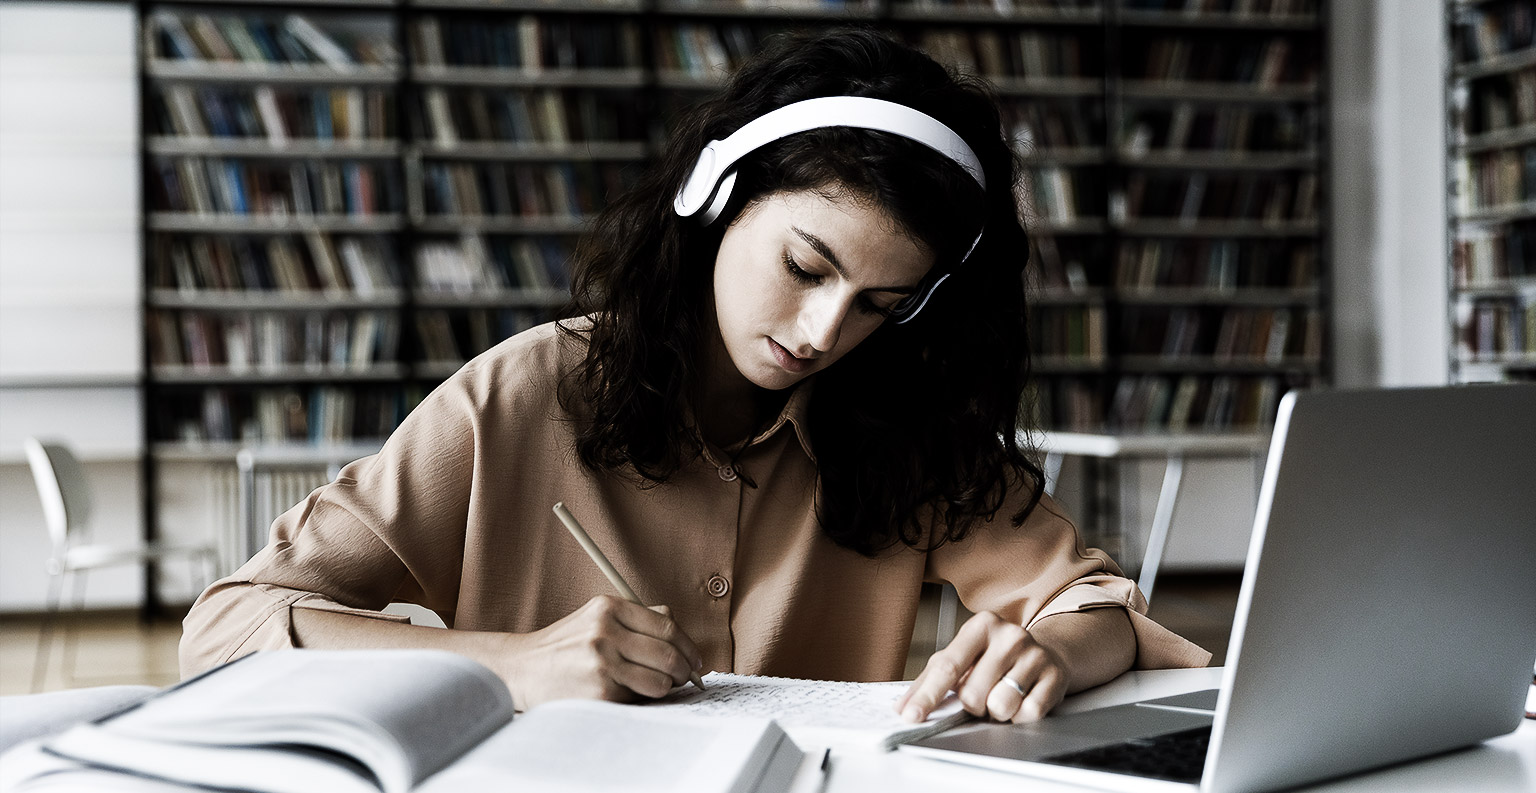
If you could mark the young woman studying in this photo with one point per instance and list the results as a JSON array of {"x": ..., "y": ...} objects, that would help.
[{"x": 786, "y": 395}]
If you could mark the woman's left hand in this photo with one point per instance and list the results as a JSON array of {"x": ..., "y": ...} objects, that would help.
[{"x": 998, "y": 669}]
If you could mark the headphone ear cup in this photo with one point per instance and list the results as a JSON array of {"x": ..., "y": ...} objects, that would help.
[{"x": 721, "y": 197}]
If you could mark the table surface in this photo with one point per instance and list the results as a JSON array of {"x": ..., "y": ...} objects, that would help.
[
  {"x": 1506, "y": 764},
  {"x": 1152, "y": 444}
]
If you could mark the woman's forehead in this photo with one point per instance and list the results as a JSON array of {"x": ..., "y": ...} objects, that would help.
[{"x": 849, "y": 230}]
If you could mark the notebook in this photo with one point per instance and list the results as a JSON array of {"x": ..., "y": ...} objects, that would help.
[
  {"x": 815, "y": 713},
  {"x": 1386, "y": 613}
]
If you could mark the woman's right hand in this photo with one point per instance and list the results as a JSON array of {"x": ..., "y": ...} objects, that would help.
[{"x": 608, "y": 649}]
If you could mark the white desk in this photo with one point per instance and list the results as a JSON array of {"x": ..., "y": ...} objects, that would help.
[{"x": 1503, "y": 765}]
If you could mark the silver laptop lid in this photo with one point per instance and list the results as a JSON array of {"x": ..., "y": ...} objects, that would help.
[{"x": 1388, "y": 608}]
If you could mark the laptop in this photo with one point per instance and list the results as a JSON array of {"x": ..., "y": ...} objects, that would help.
[{"x": 1387, "y": 611}]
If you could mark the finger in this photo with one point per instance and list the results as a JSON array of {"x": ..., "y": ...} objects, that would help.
[
  {"x": 1005, "y": 643},
  {"x": 1009, "y": 693},
  {"x": 645, "y": 680},
  {"x": 655, "y": 654},
  {"x": 943, "y": 671},
  {"x": 626, "y": 680},
  {"x": 1049, "y": 689},
  {"x": 656, "y": 622}
]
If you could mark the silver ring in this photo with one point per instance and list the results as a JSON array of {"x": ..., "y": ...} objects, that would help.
[{"x": 1014, "y": 684}]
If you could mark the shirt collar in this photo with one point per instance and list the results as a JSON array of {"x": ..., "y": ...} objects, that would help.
[{"x": 795, "y": 413}]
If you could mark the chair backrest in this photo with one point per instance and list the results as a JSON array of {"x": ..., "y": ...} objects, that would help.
[{"x": 62, "y": 487}]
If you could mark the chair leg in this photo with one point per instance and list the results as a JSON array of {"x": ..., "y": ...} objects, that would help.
[
  {"x": 45, "y": 632},
  {"x": 72, "y": 632}
]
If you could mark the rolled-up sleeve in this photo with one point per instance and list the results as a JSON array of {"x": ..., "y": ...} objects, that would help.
[
  {"x": 1041, "y": 569},
  {"x": 390, "y": 527}
]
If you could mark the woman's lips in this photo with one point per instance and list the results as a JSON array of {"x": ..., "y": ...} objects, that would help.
[{"x": 787, "y": 360}]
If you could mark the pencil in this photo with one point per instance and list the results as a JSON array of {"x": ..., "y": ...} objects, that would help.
[{"x": 603, "y": 564}]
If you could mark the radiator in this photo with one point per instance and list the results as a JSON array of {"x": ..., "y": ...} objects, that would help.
[{"x": 245, "y": 501}]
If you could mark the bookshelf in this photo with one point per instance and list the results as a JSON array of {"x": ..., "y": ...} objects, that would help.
[
  {"x": 1175, "y": 176},
  {"x": 1491, "y": 203},
  {"x": 349, "y": 199}
]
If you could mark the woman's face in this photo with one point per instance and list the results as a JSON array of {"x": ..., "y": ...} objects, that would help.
[{"x": 803, "y": 277}]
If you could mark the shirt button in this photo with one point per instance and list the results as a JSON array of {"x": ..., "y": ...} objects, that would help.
[
  {"x": 717, "y": 586},
  {"x": 728, "y": 473}
]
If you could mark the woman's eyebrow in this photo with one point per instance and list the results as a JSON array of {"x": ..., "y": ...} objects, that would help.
[{"x": 825, "y": 251}]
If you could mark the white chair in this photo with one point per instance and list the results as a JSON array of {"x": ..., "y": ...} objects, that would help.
[{"x": 66, "y": 497}]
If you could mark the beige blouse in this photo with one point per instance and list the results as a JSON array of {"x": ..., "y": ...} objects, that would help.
[{"x": 454, "y": 514}]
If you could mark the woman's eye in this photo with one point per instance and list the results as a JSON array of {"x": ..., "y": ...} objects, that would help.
[
  {"x": 799, "y": 274},
  {"x": 868, "y": 306}
]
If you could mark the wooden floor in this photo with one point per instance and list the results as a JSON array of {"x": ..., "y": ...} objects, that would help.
[{"x": 114, "y": 649}]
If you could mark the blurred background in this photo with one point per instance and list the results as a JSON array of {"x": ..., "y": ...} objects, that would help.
[{"x": 239, "y": 241}]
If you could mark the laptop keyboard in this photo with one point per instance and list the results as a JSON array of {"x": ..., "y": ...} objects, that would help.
[{"x": 1176, "y": 756}]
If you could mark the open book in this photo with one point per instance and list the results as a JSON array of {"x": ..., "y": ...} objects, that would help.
[{"x": 391, "y": 721}]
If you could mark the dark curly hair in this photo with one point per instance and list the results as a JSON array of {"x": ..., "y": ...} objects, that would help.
[{"x": 914, "y": 430}]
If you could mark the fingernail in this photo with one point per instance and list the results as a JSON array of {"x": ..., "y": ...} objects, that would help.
[{"x": 912, "y": 713}]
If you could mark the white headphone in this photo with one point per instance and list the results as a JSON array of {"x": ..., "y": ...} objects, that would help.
[{"x": 708, "y": 187}]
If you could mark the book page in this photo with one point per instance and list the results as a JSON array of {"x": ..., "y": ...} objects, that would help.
[
  {"x": 579, "y": 746},
  {"x": 402, "y": 713},
  {"x": 814, "y": 712}
]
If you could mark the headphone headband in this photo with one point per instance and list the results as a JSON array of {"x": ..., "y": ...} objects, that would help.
[
  {"x": 708, "y": 186},
  {"x": 715, "y": 164}
]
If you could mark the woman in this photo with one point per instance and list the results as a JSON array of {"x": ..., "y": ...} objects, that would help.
[{"x": 784, "y": 398}]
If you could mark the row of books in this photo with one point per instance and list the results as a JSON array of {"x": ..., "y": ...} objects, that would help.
[
  {"x": 252, "y": 342},
  {"x": 1501, "y": 102},
  {"x": 1262, "y": 8},
  {"x": 1235, "y": 128},
  {"x": 1259, "y": 8},
  {"x": 262, "y": 187},
  {"x": 1233, "y": 334},
  {"x": 473, "y": 263},
  {"x": 706, "y": 50},
  {"x": 1157, "y": 403},
  {"x": 316, "y": 415},
  {"x": 569, "y": 189},
  {"x": 276, "y": 114},
  {"x": 447, "y": 116},
  {"x": 1153, "y": 403},
  {"x": 1494, "y": 256},
  {"x": 1062, "y": 195},
  {"x": 201, "y": 263},
  {"x": 1265, "y": 196},
  {"x": 1005, "y": 6},
  {"x": 525, "y": 42},
  {"x": 1075, "y": 264},
  {"x": 1496, "y": 328},
  {"x": 460, "y": 335},
  {"x": 1493, "y": 29},
  {"x": 1497, "y": 178},
  {"x": 1020, "y": 53},
  {"x": 1280, "y": 60},
  {"x": 294, "y": 39},
  {"x": 1073, "y": 332},
  {"x": 1216, "y": 264},
  {"x": 1038, "y": 126}
]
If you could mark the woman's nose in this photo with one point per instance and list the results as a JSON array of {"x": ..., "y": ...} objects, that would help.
[{"x": 821, "y": 322}]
